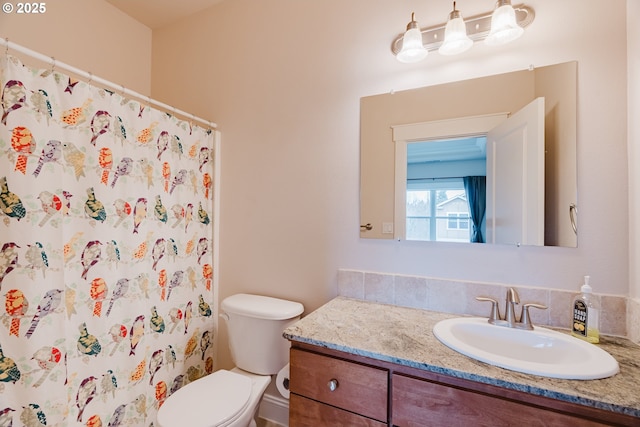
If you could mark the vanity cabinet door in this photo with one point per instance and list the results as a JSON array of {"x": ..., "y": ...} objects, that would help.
[
  {"x": 418, "y": 402},
  {"x": 354, "y": 387}
]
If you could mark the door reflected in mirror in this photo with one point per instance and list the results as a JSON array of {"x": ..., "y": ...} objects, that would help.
[{"x": 497, "y": 160}]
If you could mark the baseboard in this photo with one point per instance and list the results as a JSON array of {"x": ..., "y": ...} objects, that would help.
[{"x": 274, "y": 409}]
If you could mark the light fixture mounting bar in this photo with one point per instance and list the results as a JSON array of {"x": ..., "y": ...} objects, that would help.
[{"x": 478, "y": 28}]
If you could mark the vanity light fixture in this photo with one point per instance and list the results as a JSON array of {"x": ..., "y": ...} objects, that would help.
[{"x": 504, "y": 24}]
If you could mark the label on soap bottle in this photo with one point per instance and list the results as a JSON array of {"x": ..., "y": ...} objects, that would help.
[{"x": 580, "y": 318}]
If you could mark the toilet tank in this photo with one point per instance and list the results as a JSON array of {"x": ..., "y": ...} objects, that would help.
[{"x": 255, "y": 324}]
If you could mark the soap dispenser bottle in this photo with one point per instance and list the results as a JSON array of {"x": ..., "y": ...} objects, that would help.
[{"x": 586, "y": 315}]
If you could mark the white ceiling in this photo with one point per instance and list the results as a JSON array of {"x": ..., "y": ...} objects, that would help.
[{"x": 156, "y": 13}]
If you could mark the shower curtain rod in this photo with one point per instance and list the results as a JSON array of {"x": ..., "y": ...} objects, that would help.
[{"x": 91, "y": 78}]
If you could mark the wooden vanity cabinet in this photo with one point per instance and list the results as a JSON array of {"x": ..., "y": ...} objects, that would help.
[{"x": 372, "y": 393}]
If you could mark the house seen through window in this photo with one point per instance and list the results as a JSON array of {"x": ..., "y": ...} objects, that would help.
[{"x": 437, "y": 210}]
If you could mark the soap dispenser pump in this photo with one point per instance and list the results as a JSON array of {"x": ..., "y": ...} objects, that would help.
[{"x": 586, "y": 315}]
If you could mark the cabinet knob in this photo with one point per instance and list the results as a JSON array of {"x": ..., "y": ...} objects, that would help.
[{"x": 333, "y": 384}]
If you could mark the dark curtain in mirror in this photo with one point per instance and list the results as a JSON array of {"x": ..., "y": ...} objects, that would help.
[{"x": 476, "y": 189}]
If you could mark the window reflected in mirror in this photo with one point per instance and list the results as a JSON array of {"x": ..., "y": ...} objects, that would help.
[{"x": 437, "y": 205}]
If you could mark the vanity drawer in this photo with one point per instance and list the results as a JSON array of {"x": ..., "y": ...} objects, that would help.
[
  {"x": 347, "y": 385},
  {"x": 424, "y": 403},
  {"x": 309, "y": 413}
]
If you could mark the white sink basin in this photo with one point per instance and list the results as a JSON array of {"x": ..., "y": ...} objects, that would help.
[{"x": 541, "y": 352}]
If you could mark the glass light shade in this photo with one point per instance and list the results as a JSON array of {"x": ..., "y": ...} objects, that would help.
[
  {"x": 504, "y": 27},
  {"x": 455, "y": 37},
  {"x": 412, "y": 48}
]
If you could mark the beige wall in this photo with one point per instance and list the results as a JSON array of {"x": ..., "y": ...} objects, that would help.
[
  {"x": 557, "y": 84},
  {"x": 284, "y": 78},
  {"x": 633, "y": 49},
  {"x": 90, "y": 35},
  {"x": 634, "y": 142}
]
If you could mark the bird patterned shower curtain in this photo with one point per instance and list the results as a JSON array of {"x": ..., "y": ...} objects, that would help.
[{"x": 106, "y": 268}]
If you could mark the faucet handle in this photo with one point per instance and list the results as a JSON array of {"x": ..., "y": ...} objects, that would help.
[
  {"x": 525, "y": 320},
  {"x": 495, "y": 310}
]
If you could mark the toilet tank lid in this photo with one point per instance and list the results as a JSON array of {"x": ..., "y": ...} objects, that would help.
[{"x": 261, "y": 307}]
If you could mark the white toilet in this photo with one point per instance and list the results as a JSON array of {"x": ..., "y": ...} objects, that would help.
[{"x": 231, "y": 398}]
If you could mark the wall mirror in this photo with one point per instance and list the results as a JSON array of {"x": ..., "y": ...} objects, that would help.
[{"x": 425, "y": 152}]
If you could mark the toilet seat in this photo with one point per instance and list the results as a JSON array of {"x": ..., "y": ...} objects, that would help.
[{"x": 215, "y": 400}]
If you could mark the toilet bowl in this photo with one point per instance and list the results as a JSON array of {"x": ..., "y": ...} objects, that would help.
[
  {"x": 222, "y": 399},
  {"x": 231, "y": 398}
]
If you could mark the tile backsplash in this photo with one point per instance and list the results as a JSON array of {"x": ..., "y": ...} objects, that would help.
[
  {"x": 633, "y": 320},
  {"x": 459, "y": 297}
]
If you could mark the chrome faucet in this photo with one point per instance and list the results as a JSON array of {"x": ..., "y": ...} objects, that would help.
[{"x": 510, "y": 320}]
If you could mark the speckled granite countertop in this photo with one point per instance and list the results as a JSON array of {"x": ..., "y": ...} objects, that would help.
[{"x": 403, "y": 336}]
